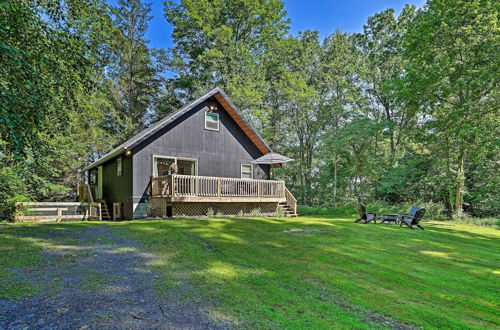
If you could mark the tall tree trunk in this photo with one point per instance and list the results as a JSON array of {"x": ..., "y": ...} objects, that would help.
[
  {"x": 460, "y": 183},
  {"x": 335, "y": 182},
  {"x": 388, "y": 116}
]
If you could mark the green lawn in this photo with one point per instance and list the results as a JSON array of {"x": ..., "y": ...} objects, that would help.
[{"x": 341, "y": 274}]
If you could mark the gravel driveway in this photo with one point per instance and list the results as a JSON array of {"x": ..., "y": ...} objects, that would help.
[{"x": 96, "y": 279}]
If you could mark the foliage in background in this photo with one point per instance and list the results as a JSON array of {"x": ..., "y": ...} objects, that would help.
[{"x": 407, "y": 110}]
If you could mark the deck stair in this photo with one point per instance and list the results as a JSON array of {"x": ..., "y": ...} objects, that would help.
[
  {"x": 105, "y": 214},
  {"x": 288, "y": 211},
  {"x": 290, "y": 206}
]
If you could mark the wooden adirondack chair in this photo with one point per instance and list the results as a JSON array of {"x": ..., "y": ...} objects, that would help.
[
  {"x": 413, "y": 218},
  {"x": 364, "y": 216}
]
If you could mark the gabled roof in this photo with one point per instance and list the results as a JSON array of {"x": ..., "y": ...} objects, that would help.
[{"x": 219, "y": 95}]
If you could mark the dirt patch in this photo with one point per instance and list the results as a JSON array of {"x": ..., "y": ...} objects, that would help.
[
  {"x": 94, "y": 279},
  {"x": 299, "y": 231}
]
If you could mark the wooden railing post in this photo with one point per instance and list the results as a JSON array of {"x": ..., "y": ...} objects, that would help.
[
  {"x": 154, "y": 186},
  {"x": 258, "y": 188},
  {"x": 172, "y": 186},
  {"x": 218, "y": 186}
]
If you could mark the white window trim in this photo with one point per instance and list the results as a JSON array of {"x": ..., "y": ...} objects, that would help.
[
  {"x": 241, "y": 170},
  {"x": 218, "y": 122},
  {"x": 175, "y": 162}
]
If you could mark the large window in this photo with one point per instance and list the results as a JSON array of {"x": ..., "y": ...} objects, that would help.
[
  {"x": 246, "y": 171},
  {"x": 212, "y": 121},
  {"x": 162, "y": 166}
]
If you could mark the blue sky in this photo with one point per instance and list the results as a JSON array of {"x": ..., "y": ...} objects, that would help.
[{"x": 323, "y": 15}]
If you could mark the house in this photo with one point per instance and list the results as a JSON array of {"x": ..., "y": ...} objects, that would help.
[{"x": 220, "y": 167}]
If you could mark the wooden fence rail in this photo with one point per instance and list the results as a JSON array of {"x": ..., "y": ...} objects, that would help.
[{"x": 57, "y": 211}]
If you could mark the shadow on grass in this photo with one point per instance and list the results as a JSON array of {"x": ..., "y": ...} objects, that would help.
[
  {"x": 257, "y": 271},
  {"x": 86, "y": 276}
]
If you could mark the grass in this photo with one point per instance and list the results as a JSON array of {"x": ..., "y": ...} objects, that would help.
[
  {"x": 21, "y": 248},
  {"x": 339, "y": 275},
  {"x": 329, "y": 273}
]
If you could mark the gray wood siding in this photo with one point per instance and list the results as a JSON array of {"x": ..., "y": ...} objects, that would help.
[{"x": 218, "y": 153}]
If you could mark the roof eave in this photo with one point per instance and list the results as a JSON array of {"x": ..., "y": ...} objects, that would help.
[{"x": 105, "y": 159}]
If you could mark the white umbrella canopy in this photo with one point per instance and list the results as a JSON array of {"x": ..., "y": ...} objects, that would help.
[{"x": 271, "y": 158}]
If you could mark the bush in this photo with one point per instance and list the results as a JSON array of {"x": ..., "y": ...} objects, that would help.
[
  {"x": 8, "y": 208},
  {"x": 434, "y": 211},
  {"x": 12, "y": 190},
  {"x": 345, "y": 210},
  {"x": 255, "y": 213},
  {"x": 280, "y": 212},
  {"x": 482, "y": 222},
  {"x": 210, "y": 212}
]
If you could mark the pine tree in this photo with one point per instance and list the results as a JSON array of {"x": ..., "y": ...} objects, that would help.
[{"x": 134, "y": 73}]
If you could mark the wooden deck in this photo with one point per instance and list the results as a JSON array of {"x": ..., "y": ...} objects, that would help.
[{"x": 187, "y": 188}]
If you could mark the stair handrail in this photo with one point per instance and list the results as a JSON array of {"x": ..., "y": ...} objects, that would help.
[{"x": 291, "y": 200}]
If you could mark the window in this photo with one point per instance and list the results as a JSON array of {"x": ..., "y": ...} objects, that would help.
[
  {"x": 162, "y": 165},
  {"x": 92, "y": 177},
  {"x": 246, "y": 171},
  {"x": 212, "y": 121},
  {"x": 119, "y": 166}
]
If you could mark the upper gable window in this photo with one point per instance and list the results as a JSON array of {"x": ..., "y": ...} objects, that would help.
[{"x": 212, "y": 121}]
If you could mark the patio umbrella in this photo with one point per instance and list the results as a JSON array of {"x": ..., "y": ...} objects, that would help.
[{"x": 273, "y": 159}]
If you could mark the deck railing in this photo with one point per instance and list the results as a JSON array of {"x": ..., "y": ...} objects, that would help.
[
  {"x": 291, "y": 200},
  {"x": 206, "y": 186}
]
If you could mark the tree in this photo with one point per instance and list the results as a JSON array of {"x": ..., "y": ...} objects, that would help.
[
  {"x": 452, "y": 79},
  {"x": 51, "y": 55},
  {"x": 381, "y": 44},
  {"x": 224, "y": 43},
  {"x": 134, "y": 72}
]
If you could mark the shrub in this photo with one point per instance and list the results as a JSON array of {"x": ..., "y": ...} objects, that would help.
[
  {"x": 255, "y": 213},
  {"x": 482, "y": 222},
  {"x": 219, "y": 215},
  {"x": 210, "y": 212},
  {"x": 344, "y": 210},
  {"x": 10, "y": 211},
  {"x": 241, "y": 214},
  {"x": 280, "y": 212},
  {"x": 434, "y": 211}
]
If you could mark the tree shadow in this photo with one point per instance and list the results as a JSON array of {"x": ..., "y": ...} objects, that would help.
[
  {"x": 87, "y": 275},
  {"x": 238, "y": 253}
]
